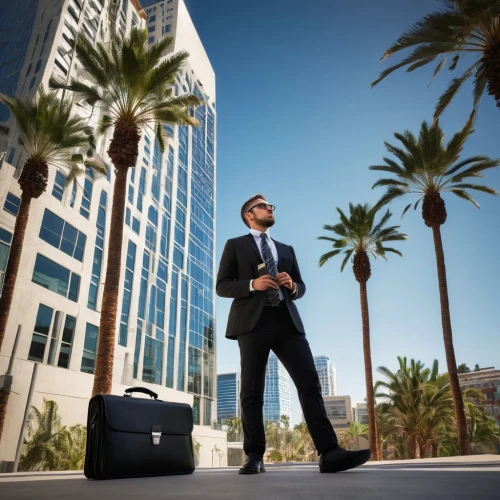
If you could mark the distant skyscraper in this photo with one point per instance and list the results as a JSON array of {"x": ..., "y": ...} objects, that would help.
[
  {"x": 228, "y": 396},
  {"x": 327, "y": 375},
  {"x": 277, "y": 396}
]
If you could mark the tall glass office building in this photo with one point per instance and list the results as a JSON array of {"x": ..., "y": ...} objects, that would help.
[
  {"x": 327, "y": 375},
  {"x": 228, "y": 396},
  {"x": 277, "y": 395},
  {"x": 165, "y": 325},
  {"x": 17, "y": 24}
]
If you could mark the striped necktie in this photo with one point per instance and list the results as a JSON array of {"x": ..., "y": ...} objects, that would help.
[{"x": 273, "y": 296}]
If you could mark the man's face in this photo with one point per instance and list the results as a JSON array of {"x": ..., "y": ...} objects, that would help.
[{"x": 263, "y": 213}]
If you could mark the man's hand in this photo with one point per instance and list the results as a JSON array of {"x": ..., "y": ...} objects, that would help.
[
  {"x": 265, "y": 282},
  {"x": 285, "y": 280}
]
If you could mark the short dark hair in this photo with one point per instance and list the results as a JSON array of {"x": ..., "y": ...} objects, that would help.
[{"x": 248, "y": 204}]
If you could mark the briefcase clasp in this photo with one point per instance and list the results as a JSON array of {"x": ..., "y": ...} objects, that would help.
[{"x": 155, "y": 435}]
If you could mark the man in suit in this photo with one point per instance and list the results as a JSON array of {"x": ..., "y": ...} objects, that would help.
[{"x": 263, "y": 317}]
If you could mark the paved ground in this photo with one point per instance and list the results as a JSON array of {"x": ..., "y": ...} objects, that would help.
[{"x": 422, "y": 480}]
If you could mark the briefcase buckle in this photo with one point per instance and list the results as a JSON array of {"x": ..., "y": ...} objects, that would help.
[{"x": 155, "y": 435}]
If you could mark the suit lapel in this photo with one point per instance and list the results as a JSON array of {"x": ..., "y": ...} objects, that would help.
[
  {"x": 279, "y": 251},
  {"x": 251, "y": 242}
]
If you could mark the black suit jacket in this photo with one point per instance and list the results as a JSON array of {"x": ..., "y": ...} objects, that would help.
[{"x": 238, "y": 266}]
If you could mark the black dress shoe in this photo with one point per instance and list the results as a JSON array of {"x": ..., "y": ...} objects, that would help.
[
  {"x": 254, "y": 464},
  {"x": 337, "y": 459}
]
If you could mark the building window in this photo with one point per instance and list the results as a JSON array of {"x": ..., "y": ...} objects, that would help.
[
  {"x": 12, "y": 154},
  {"x": 153, "y": 360},
  {"x": 5, "y": 241},
  {"x": 56, "y": 278},
  {"x": 131, "y": 194},
  {"x": 12, "y": 204},
  {"x": 151, "y": 228},
  {"x": 28, "y": 71},
  {"x": 98, "y": 252},
  {"x": 73, "y": 195},
  {"x": 152, "y": 19},
  {"x": 127, "y": 216},
  {"x": 62, "y": 235},
  {"x": 136, "y": 225},
  {"x": 38, "y": 66},
  {"x": 151, "y": 29},
  {"x": 178, "y": 258},
  {"x": 142, "y": 189},
  {"x": 127, "y": 293},
  {"x": 90, "y": 348},
  {"x": 66, "y": 342},
  {"x": 41, "y": 333},
  {"x": 32, "y": 83},
  {"x": 59, "y": 182},
  {"x": 87, "y": 194},
  {"x": 151, "y": 39},
  {"x": 168, "y": 28}
]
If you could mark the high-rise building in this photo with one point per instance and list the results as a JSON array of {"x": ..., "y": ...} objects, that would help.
[
  {"x": 165, "y": 325},
  {"x": 327, "y": 375},
  {"x": 277, "y": 395},
  {"x": 228, "y": 396}
]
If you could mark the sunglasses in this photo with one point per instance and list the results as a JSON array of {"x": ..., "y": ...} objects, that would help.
[{"x": 262, "y": 206}]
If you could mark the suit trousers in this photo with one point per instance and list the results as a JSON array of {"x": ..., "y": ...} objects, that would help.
[{"x": 276, "y": 332}]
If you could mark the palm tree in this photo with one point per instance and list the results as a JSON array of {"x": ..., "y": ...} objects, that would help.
[
  {"x": 483, "y": 430},
  {"x": 420, "y": 402},
  {"x": 305, "y": 443},
  {"x": 234, "y": 429},
  {"x": 47, "y": 439},
  {"x": 361, "y": 237},
  {"x": 132, "y": 90},
  {"x": 464, "y": 26},
  {"x": 49, "y": 136},
  {"x": 357, "y": 430},
  {"x": 428, "y": 168}
]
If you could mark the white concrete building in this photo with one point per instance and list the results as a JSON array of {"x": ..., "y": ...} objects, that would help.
[{"x": 165, "y": 327}]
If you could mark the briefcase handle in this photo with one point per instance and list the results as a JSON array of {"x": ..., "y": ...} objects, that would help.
[{"x": 130, "y": 390}]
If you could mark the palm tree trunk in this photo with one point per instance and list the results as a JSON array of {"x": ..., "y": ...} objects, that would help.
[
  {"x": 370, "y": 396},
  {"x": 16, "y": 250},
  {"x": 103, "y": 379},
  {"x": 4, "y": 399},
  {"x": 448, "y": 345}
]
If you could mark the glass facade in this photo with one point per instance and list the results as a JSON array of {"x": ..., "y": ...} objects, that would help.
[
  {"x": 49, "y": 331},
  {"x": 12, "y": 204},
  {"x": 277, "y": 395},
  {"x": 228, "y": 396},
  {"x": 17, "y": 25},
  {"x": 327, "y": 375},
  {"x": 62, "y": 235},
  {"x": 56, "y": 278},
  {"x": 98, "y": 252}
]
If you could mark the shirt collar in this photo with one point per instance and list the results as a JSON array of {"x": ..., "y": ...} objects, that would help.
[{"x": 258, "y": 234}]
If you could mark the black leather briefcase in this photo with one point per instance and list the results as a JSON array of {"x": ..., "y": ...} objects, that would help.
[{"x": 137, "y": 437}]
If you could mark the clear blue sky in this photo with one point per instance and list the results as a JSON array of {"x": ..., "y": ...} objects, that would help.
[{"x": 297, "y": 120}]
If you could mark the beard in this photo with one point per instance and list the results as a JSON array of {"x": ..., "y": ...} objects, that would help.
[{"x": 265, "y": 221}]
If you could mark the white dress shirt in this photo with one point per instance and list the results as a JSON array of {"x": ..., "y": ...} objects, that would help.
[{"x": 257, "y": 236}]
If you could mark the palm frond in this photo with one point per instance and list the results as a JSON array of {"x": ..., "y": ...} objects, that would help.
[
  {"x": 327, "y": 256},
  {"x": 466, "y": 196}
]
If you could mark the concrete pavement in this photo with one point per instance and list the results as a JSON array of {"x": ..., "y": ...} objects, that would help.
[{"x": 456, "y": 478}]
